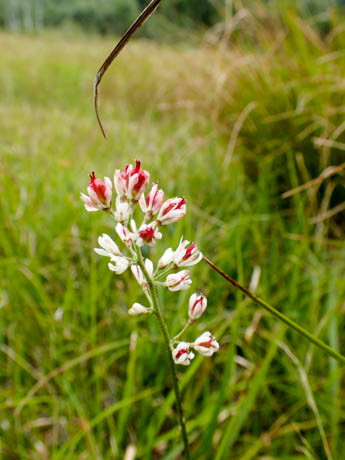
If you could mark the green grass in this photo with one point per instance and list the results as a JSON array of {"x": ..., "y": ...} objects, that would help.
[{"x": 93, "y": 382}]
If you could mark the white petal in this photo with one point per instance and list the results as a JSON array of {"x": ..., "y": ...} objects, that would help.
[
  {"x": 149, "y": 267},
  {"x": 91, "y": 208},
  {"x": 137, "y": 309},
  {"x": 101, "y": 252},
  {"x": 142, "y": 203}
]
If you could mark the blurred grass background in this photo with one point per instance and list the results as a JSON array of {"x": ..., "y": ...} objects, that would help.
[{"x": 247, "y": 122}]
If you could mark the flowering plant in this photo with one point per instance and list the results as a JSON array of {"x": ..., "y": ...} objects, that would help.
[
  {"x": 170, "y": 271},
  {"x": 130, "y": 186}
]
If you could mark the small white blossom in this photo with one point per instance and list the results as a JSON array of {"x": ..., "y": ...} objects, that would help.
[
  {"x": 126, "y": 236},
  {"x": 178, "y": 281},
  {"x": 171, "y": 211},
  {"x": 123, "y": 210},
  {"x": 118, "y": 264},
  {"x": 206, "y": 344},
  {"x": 131, "y": 183},
  {"x": 148, "y": 233},
  {"x": 182, "y": 354},
  {"x": 186, "y": 256},
  {"x": 153, "y": 201}
]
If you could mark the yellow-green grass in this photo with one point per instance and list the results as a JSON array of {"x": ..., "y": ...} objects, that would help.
[{"x": 81, "y": 379}]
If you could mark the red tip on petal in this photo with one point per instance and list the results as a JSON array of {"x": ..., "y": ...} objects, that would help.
[
  {"x": 181, "y": 352},
  {"x": 199, "y": 300},
  {"x": 98, "y": 186},
  {"x": 206, "y": 344},
  {"x": 181, "y": 203},
  {"x": 189, "y": 251}
]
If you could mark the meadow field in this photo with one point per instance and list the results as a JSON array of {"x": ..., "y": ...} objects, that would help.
[{"x": 252, "y": 134}]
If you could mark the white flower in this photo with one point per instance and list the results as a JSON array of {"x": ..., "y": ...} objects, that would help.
[
  {"x": 123, "y": 210},
  {"x": 166, "y": 258},
  {"x": 186, "y": 256},
  {"x": 126, "y": 236},
  {"x": 118, "y": 264},
  {"x": 197, "y": 306},
  {"x": 182, "y": 354},
  {"x": 153, "y": 201},
  {"x": 206, "y": 344},
  {"x": 131, "y": 183},
  {"x": 178, "y": 281},
  {"x": 139, "y": 275},
  {"x": 110, "y": 248},
  {"x": 99, "y": 194},
  {"x": 137, "y": 309},
  {"x": 148, "y": 233},
  {"x": 171, "y": 211}
]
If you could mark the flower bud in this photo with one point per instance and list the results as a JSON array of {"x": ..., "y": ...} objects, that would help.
[
  {"x": 171, "y": 211},
  {"x": 197, "y": 306},
  {"x": 99, "y": 194},
  {"x": 118, "y": 264},
  {"x": 123, "y": 210},
  {"x": 137, "y": 309},
  {"x": 182, "y": 354},
  {"x": 178, "y": 281},
  {"x": 120, "y": 183},
  {"x": 126, "y": 236},
  {"x": 186, "y": 256},
  {"x": 153, "y": 201},
  {"x": 148, "y": 233},
  {"x": 206, "y": 344},
  {"x": 166, "y": 259},
  {"x": 139, "y": 275},
  {"x": 131, "y": 183}
]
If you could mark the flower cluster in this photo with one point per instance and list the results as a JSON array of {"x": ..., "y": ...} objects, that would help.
[{"x": 130, "y": 186}]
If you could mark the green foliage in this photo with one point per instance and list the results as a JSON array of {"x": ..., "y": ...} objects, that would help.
[
  {"x": 114, "y": 16},
  {"x": 107, "y": 16},
  {"x": 104, "y": 16},
  {"x": 78, "y": 377}
]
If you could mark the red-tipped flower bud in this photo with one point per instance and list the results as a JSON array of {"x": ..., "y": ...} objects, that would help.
[
  {"x": 197, "y": 306},
  {"x": 131, "y": 183},
  {"x": 99, "y": 194}
]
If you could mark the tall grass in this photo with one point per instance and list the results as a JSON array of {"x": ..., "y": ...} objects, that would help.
[{"x": 231, "y": 127}]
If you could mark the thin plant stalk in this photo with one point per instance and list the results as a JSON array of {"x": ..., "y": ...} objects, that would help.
[
  {"x": 182, "y": 330},
  {"x": 307, "y": 335},
  {"x": 166, "y": 337}
]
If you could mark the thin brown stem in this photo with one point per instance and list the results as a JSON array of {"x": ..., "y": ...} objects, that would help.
[{"x": 141, "y": 19}]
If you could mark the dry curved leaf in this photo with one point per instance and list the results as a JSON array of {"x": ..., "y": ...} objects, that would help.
[{"x": 141, "y": 19}]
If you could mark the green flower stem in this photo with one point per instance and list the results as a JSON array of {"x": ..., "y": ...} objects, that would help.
[
  {"x": 163, "y": 273},
  {"x": 189, "y": 322},
  {"x": 330, "y": 351},
  {"x": 165, "y": 333}
]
